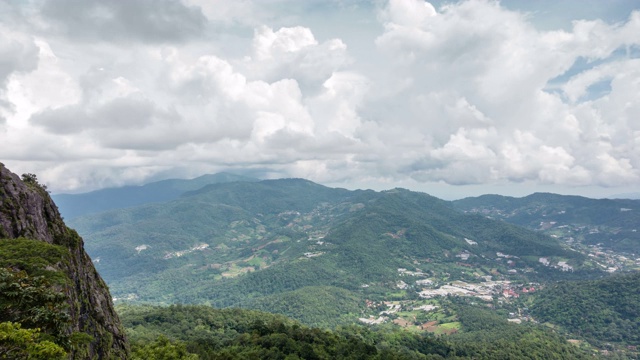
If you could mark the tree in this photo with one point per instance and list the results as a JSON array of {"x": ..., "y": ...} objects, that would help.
[
  {"x": 163, "y": 349},
  {"x": 33, "y": 302},
  {"x": 17, "y": 343},
  {"x": 32, "y": 179}
]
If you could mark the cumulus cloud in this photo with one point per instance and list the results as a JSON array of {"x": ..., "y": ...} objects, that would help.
[
  {"x": 141, "y": 20},
  {"x": 469, "y": 92},
  {"x": 294, "y": 53},
  {"x": 121, "y": 113},
  {"x": 476, "y": 74},
  {"x": 210, "y": 104},
  {"x": 18, "y": 54}
]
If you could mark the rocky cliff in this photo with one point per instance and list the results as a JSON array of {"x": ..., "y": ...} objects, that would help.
[{"x": 27, "y": 211}]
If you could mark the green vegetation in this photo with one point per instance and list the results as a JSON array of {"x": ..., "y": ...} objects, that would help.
[
  {"x": 35, "y": 257},
  {"x": 73, "y": 205},
  {"x": 599, "y": 311},
  {"x": 610, "y": 222},
  {"x": 30, "y": 288},
  {"x": 324, "y": 257},
  {"x": 488, "y": 334},
  {"x": 162, "y": 349},
  {"x": 320, "y": 306},
  {"x": 32, "y": 180},
  {"x": 18, "y": 343},
  {"x": 33, "y": 303},
  {"x": 259, "y": 244},
  {"x": 234, "y": 333},
  {"x": 33, "y": 308}
]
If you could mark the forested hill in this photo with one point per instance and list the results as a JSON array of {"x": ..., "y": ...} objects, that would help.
[
  {"x": 243, "y": 334},
  {"x": 73, "y": 205},
  {"x": 614, "y": 223},
  {"x": 270, "y": 196},
  {"x": 260, "y": 244},
  {"x": 600, "y": 311}
]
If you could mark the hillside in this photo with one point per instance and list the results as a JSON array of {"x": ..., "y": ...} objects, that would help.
[
  {"x": 600, "y": 311},
  {"x": 259, "y": 244},
  {"x": 326, "y": 257},
  {"x": 613, "y": 224},
  {"x": 73, "y": 205},
  {"x": 50, "y": 291},
  {"x": 244, "y": 334}
]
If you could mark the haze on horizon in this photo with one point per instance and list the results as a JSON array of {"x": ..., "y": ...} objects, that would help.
[{"x": 454, "y": 98}]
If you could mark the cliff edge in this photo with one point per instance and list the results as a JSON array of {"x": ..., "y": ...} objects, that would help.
[{"x": 27, "y": 211}]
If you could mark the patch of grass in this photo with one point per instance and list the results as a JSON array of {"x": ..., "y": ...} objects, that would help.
[{"x": 451, "y": 325}]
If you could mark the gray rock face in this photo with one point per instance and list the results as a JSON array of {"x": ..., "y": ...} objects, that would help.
[{"x": 26, "y": 210}]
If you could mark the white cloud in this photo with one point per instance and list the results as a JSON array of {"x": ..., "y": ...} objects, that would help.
[
  {"x": 294, "y": 53},
  {"x": 467, "y": 93},
  {"x": 476, "y": 68},
  {"x": 18, "y": 54},
  {"x": 140, "y": 20},
  {"x": 408, "y": 13}
]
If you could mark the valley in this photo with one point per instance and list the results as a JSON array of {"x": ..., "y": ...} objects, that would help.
[
  {"x": 332, "y": 257},
  {"x": 252, "y": 241},
  {"x": 409, "y": 273}
]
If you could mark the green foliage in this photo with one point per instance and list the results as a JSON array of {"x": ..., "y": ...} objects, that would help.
[
  {"x": 257, "y": 235},
  {"x": 34, "y": 303},
  {"x": 30, "y": 287},
  {"x": 320, "y": 306},
  {"x": 488, "y": 336},
  {"x": 18, "y": 343},
  {"x": 600, "y": 311},
  {"x": 32, "y": 180},
  {"x": 162, "y": 349},
  {"x": 246, "y": 334},
  {"x": 35, "y": 257}
]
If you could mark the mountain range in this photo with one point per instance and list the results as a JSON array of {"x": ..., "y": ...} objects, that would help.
[
  {"x": 611, "y": 223},
  {"x": 279, "y": 245},
  {"x": 389, "y": 272},
  {"x": 73, "y": 205}
]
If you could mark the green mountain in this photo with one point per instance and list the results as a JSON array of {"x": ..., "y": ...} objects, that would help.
[
  {"x": 320, "y": 255},
  {"x": 73, "y": 205},
  {"x": 290, "y": 241},
  {"x": 613, "y": 223}
]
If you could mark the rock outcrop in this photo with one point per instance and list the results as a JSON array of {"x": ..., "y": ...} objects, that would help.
[{"x": 26, "y": 210}]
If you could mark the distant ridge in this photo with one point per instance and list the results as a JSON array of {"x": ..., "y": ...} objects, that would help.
[
  {"x": 632, "y": 196},
  {"x": 613, "y": 223},
  {"x": 74, "y": 205},
  {"x": 268, "y": 243}
]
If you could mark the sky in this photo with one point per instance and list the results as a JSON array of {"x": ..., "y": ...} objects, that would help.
[{"x": 453, "y": 98}]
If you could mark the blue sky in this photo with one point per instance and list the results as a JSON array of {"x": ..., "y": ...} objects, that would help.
[{"x": 452, "y": 98}]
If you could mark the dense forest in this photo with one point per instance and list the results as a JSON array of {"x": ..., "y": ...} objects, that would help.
[
  {"x": 600, "y": 311},
  {"x": 242, "y": 334}
]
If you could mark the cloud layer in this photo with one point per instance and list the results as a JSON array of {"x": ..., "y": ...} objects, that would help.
[{"x": 112, "y": 93}]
